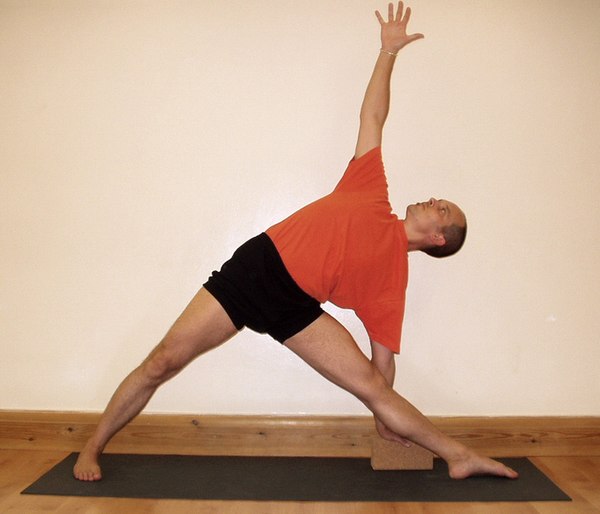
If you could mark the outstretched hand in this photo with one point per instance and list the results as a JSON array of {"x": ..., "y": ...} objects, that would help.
[{"x": 393, "y": 32}]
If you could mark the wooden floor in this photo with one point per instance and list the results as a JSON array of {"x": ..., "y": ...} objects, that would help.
[{"x": 578, "y": 476}]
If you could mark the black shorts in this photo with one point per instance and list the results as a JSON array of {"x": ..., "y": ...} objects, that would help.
[{"x": 257, "y": 292}]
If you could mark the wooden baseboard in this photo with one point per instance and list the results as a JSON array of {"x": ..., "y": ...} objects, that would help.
[{"x": 329, "y": 436}]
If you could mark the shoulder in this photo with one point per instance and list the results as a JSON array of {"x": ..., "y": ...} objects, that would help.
[
  {"x": 364, "y": 172},
  {"x": 374, "y": 154}
]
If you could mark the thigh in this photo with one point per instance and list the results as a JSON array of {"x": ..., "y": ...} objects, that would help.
[
  {"x": 332, "y": 351},
  {"x": 202, "y": 326}
]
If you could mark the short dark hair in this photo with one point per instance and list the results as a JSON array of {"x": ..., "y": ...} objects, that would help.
[{"x": 455, "y": 237}]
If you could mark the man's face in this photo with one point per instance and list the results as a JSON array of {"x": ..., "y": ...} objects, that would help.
[{"x": 434, "y": 215}]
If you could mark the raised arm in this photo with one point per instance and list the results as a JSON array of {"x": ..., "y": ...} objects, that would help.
[{"x": 376, "y": 103}]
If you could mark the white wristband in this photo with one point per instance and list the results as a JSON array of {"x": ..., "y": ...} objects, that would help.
[{"x": 389, "y": 53}]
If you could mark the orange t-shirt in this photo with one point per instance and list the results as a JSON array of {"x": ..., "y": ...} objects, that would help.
[{"x": 350, "y": 249}]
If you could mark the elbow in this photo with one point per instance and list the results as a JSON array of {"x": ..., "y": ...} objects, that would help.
[{"x": 373, "y": 119}]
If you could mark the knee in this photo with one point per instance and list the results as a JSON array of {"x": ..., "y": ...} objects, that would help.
[
  {"x": 372, "y": 386},
  {"x": 160, "y": 365}
]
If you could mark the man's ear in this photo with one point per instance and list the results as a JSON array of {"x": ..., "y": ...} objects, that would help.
[{"x": 437, "y": 239}]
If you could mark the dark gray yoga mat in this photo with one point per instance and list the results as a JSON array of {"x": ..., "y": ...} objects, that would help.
[{"x": 289, "y": 479}]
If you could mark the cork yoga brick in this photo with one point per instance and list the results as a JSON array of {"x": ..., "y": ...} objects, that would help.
[{"x": 387, "y": 455}]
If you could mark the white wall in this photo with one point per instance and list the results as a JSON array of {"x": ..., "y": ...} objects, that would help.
[{"x": 142, "y": 141}]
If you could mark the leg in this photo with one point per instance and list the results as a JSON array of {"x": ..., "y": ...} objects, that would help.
[
  {"x": 328, "y": 347},
  {"x": 203, "y": 325}
]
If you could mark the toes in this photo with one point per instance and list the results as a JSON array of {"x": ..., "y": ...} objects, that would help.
[
  {"x": 87, "y": 476},
  {"x": 506, "y": 472}
]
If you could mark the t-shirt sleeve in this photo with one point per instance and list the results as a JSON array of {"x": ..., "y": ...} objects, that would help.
[
  {"x": 383, "y": 322},
  {"x": 363, "y": 174}
]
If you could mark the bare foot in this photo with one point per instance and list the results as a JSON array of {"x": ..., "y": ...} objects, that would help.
[
  {"x": 87, "y": 468},
  {"x": 471, "y": 464}
]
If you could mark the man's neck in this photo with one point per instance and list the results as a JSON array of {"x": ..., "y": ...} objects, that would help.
[{"x": 415, "y": 239}]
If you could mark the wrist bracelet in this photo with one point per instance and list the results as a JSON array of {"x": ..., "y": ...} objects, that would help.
[{"x": 389, "y": 53}]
